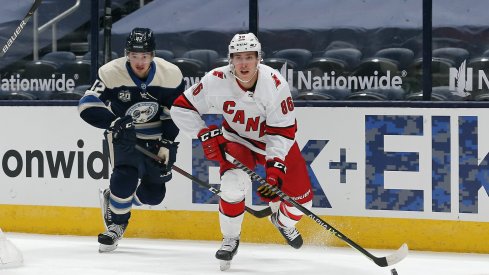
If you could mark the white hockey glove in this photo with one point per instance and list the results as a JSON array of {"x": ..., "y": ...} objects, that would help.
[{"x": 168, "y": 152}]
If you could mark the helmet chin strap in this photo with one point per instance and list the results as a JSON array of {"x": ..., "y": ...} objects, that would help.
[{"x": 233, "y": 72}]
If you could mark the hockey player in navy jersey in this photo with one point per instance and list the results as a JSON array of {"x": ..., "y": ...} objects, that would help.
[
  {"x": 259, "y": 127},
  {"x": 131, "y": 100}
]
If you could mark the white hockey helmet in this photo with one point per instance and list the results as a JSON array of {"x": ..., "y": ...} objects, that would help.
[{"x": 245, "y": 42}]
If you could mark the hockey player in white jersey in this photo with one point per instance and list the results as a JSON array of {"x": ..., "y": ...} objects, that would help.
[
  {"x": 259, "y": 127},
  {"x": 131, "y": 100}
]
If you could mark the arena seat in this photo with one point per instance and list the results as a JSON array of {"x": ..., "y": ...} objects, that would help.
[
  {"x": 221, "y": 61},
  {"x": 339, "y": 44},
  {"x": 378, "y": 94},
  {"x": 440, "y": 69},
  {"x": 39, "y": 69},
  {"x": 403, "y": 56},
  {"x": 376, "y": 66},
  {"x": 321, "y": 65},
  {"x": 59, "y": 57},
  {"x": 449, "y": 42},
  {"x": 310, "y": 95},
  {"x": 440, "y": 93},
  {"x": 351, "y": 57},
  {"x": 88, "y": 56},
  {"x": 82, "y": 88},
  {"x": 482, "y": 97},
  {"x": 80, "y": 70},
  {"x": 479, "y": 64},
  {"x": 456, "y": 55},
  {"x": 71, "y": 95},
  {"x": 324, "y": 94},
  {"x": 300, "y": 57},
  {"x": 206, "y": 56},
  {"x": 278, "y": 63},
  {"x": 16, "y": 96},
  {"x": 190, "y": 67},
  {"x": 485, "y": 53},
  {"x": 165, "y": 54},
  {"x": 294, "y": 92}
]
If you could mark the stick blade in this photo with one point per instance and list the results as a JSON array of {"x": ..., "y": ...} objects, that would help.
[
  {"x": 394, "y": 258},
  {"x": 260, "y": 213}
]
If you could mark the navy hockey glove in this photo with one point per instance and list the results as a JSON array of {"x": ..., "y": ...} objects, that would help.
[
  {"x": 213, "y": 143},
  {"x": 275, "y": 169},
  {"x": 167, "y": 151},
  {"x": 122, "y": 129}
]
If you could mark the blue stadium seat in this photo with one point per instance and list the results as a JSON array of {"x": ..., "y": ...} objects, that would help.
[
  {"x": 321, "y": 65},
  {"x": 221, "y": 61},
  {"x": 324, "y": 94},
  {"x": 79, "y": 70},
  {"x": 339, "y": 44},
  {"x": 340, "y": 60},
  {"x": 88, "y": 56},
  {"x": 59, "y": 57},
  {"x": 279, "y": 63},
  {"x": 456, "y": 55},
  {"x": 165, "y": 54},
  {"x": 479, "y": 64},
  {"x": 404, "y": 57},
  {"x": 376, "y": 66},
  {"x": 485, "y": 53},
  {"x": 190, "y": 67},
  {"x": 16, "y": 96},
  {"x": 206, "y": 56},
  {"x": 440, "y": 93},
  {"x": 440, "y": 69},
  {"x": 72, "y": 95},
  {"x": 39, "y": 69},
  {"x": 482, "y": 97},
  {"x": 378, "y": 94},
  {"x": 351, "y": 57},
  {"x": 300, "y": 57}
]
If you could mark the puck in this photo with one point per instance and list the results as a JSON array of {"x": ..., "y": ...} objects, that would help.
[{"x": 394, "y": 271}]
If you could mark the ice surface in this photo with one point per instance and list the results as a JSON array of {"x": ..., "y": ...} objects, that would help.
[{"x": 68, "y": 255}]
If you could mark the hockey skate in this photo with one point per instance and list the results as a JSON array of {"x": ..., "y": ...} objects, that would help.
[
  {"x": 104, "y": 196},
  {"x": 10, "y": 255},
  {"x": 225, "y": 254},
  {"x": 291, "y": 234},
  {"x": 110, "y": 238}
]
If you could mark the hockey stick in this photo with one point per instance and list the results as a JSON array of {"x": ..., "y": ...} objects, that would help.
[
  {"x": 257, "y": 213},
  {"x": 394, "y": 258},
  {"x": 21, "y": 26}
]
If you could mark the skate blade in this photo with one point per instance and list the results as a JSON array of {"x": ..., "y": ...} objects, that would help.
[
  {"x": 225, "y": 265},
  {"x": 104, "y": 248}
]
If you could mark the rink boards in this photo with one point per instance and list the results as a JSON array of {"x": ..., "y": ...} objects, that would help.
[{"x": 381, "y": 175}]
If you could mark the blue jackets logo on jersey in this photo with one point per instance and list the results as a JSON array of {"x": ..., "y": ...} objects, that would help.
[{"x": 143, "y": 112}]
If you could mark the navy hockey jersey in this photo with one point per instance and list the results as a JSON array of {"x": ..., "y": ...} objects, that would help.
[{"x": 118, "y": 92}]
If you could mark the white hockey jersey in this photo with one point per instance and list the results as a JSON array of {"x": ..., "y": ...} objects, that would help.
[
  {"x": 262, "y": 120},
  {"x": 118, "y": 92}
]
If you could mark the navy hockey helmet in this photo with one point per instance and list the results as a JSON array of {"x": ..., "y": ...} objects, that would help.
[{"x": 140, "y": 40}]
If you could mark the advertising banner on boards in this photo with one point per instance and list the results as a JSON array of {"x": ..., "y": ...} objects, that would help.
[{"x": 427, "y": 163}]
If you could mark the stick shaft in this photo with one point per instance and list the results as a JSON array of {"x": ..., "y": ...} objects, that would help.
[
  {"x": 380, "y": 261},
  {"x": 257, "y": 213},
  {"x": 19, "y": 28}
]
